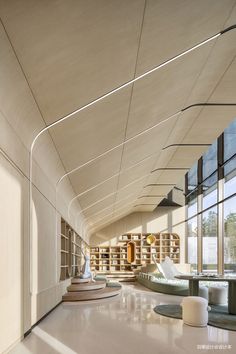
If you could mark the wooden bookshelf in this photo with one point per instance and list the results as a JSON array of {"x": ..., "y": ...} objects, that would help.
[
  {"x": 71, "y": 256},
  {"x": 114, "y": 258}
]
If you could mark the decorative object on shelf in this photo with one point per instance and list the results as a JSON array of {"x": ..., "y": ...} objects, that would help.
[
  {"x": 150, "y": 239},
  {"x": 131, "y": 252}
]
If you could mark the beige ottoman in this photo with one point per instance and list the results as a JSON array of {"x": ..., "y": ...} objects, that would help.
[
  {"x": 203, "y": 292},
  {"x": 195, "y": 311},
  {"x": 218, "y": 295}
]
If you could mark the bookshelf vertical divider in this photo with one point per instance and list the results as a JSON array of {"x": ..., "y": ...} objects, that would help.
[{"x": 105, "y": 259}]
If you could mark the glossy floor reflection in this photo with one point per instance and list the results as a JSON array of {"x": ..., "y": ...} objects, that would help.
[{"x": 125, "y": 324}]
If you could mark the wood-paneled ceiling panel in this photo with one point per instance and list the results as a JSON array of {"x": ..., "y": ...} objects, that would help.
[
  {"x": 170, "y": 27},
  {"x": 146, "y": 144},
  {"x": 99, "y": 206},
  {"x": 98, "y": 193},
  {"x": 94, "y": 131},
  {"x": 73, "y": 51},
  {"x": 96, "y": 172},
  {"x": 172, "y": 83},
  {"x": 138, "y": 171}
]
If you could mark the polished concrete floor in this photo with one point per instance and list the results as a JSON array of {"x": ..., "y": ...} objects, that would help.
[{"x": 125, "y": 324}]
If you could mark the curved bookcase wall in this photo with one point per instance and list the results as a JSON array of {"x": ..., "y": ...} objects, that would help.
[{"x": 133, "y": 251}]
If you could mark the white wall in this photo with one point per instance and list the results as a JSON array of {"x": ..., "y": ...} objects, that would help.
[
  {"x": 11, "y": 259},
  {"x": 165, "y": 219},
  {"x": 26, "y": 296}
]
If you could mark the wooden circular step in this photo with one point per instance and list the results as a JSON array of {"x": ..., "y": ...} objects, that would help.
[
  {"x": 80, "y": 280},
  {"x": 99, "y": 284},
  {"x": 91, "y": 295}
]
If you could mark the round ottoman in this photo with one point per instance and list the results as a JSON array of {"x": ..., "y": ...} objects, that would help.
[
  {"x": 203, "y": 292},
  {"x": 195, "y": 311},
  {"x": 218, "y": 295}
]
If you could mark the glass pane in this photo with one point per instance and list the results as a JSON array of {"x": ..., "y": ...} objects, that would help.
[
  {"x": 230, "y": 235},
  {"x": 230, "y": 141},
  {"x": 192, "y": 242},
  {"x": 209, "y": 161},
  {"x": 192, "y": 204},
  {"x": 230, "y": 178},
  {"x": 210, "y": 191},
  {"x": 192, "y": 178},
  {"x": 209, "y": 239}
]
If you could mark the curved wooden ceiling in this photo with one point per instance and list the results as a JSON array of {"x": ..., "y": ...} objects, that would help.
[{"x": 75, "y": 51}]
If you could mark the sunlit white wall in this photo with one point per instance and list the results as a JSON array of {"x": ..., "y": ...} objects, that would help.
[
  {"x": 11, "y": 259},
  {"x": 20, "y": 121}
]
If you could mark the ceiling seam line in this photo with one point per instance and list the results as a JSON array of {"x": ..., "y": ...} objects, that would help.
[
  {"x": 230, "y": 13},
  {"x": 186, "y": 100},
  {"x": 209, "y": 97},
  {"x": 130, "y": 100},
  {"x": 147, "y": 73},
  {"x": 33, "y": 96},
  {"x": 189, "y": 107},
  {"x": 213, "y": 89}
]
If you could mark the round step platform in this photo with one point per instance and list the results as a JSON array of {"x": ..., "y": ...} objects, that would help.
[
  {"x": 91, "y": 295},
  {"x": 80, "y": 280},
  {"x": 99, "y": 284}
]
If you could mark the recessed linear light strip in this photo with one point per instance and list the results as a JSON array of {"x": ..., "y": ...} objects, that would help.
[
  {"x": 122, "y": 87},
  {"x": 111, "y": 177},
  {"x": 145, "y": 131},
  {"x": 110, "y": 194},
  {"x": 122, "y": 208},
  {"x": 130, "y": 82},
  {"x": 110, "y": 206},
  {"x": 148, "y": 157},
  {"x": 141, "y": 133},
  {"x": 70, "y": 115},
  {"x": 113, "y": 212}
]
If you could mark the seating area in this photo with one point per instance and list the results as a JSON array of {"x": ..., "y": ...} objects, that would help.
[
  {"x": 153, "y": 277},
  {"x": 212, "y": 297},
  {"x": 117, "y": 176}
]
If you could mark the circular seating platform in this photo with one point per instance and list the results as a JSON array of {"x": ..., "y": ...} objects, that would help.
[
  {"x": 100, "y": 284},
  {"x": 91, "y": 295},
  {"x": 90, "y": 290},
  {"x": 78, "y": 280}
]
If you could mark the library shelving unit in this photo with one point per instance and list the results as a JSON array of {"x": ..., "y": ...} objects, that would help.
[
  {"x": 116, "y": 258},
  {"x": 71, "y": 256},
  {"x": 65, "y": 240}
]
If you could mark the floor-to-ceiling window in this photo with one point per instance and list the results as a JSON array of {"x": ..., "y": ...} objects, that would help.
[{"x": 210, "y": 188}]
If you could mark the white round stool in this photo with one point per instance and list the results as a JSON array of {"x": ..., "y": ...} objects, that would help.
[
  {"x": 218, "y": 295},
  {"x": 203, "y": 292},
  {"x": 195, "y": 311}
]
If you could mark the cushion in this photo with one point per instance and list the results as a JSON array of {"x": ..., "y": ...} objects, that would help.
[
  {"x": 168, "y": 268},
  {"x": 158, "y": 266}
]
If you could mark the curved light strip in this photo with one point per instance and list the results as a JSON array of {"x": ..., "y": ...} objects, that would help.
[
  {"x": 112, "y": 213},
  {"x": 113, "y": 176},
  {"x": 128, "y": 83},
  {"x": 108, "y": 151},
  {"x": 110, "y": 206},
  {"x": 110, "y": 194},
  {"x": 72, "y": 114},
  {"x": 118, "y": 146},
  {"x": 148, "y": 157}
]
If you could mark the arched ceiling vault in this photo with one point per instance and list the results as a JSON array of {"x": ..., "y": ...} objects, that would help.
[{"x": 75, "y": 51}]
